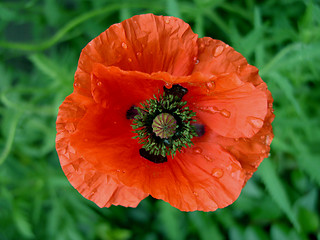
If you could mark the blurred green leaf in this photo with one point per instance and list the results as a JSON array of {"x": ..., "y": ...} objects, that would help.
[
  {"x": 23, "y": 223},
  {"x": 206, "y": 227},
  {"x": 277, "y": 190},
  {"x": 172, "y": 221}
]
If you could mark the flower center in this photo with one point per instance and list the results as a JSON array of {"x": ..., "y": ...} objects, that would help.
[{"x": 164, "y": 125}]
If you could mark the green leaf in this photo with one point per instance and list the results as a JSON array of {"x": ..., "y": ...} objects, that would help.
[
  {"x": 173, "y": 8},
  {"x": 206, "y": 227},
  {"x": 277, "y": 190},
  {"x": 170, "y": 221},
  {"x": 23, "y": 223}
]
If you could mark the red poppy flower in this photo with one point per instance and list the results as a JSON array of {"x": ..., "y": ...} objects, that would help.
[{"x": 116, "y": 149}]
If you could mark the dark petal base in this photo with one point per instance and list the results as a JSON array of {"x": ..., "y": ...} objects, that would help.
[
  {"x": 176, "y": 90},
  {"x": 132, "y": 112},
  {"x": 199, "y": 128},
  {"x": 153, "y": 158}
]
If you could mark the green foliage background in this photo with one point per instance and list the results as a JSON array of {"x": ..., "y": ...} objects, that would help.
[{"x": 40, "y": 43}]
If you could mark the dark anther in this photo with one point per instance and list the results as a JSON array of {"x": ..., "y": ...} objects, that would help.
[
  {"x": 199, "y": 129},
  {"x": 176, "y": 90},
  {"x": 132, "y": 112},
  {"x": 153, "y": 158}
]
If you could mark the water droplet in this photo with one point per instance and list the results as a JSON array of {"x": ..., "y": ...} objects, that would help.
[
  {"x": 76, "y": 84},
  {"x": 124, "y": 45},
  {"x": 255, "y": 122},
  {"x": 239, "y": 69},
  {"x": 196, "y": 194},
  {"x": 236, "y": 174},
  {"x": 236, "y": 139},
  {"x": 210, "y": 86},
  {"x": 167, "y": 21},
  {"x": 168, "y": 85},
  {"x": 217, "y": 172},
  {"x": 270, "y": 105},
  {"x": 123, "y": 171},
  {"x": 196, "y": 61},
  {"x": 263, "y": 151},
  {"x": 129, "y": 60},
  {"x": 118, "y": 170},
  {"x": 218, "y": 51},
  {"x": 183, "y": 150},
  {"x": 211, "y": 110},
  {"x": 114, "y": 122},
  {"x": 209, "y": 159},
  {"x": 263, "y": 137},
  {"x": 202, "y": 45},
  {"x": 268, "y": 140},
  {"x": 197, "y": 150},
  {"x": 225, "y": 113},
  {"x": 99, "y": 83},
  {"x": 138, "y": 54}
]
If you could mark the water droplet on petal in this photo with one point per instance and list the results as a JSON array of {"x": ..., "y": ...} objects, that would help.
[
  {"x": 167, "y": 21},
  {"x": 138, "y": 54},
  {"x": 196, "y": 61},
  {"x": 183, "y": 150},
  {"x": 263, "y": 137},
  {"x": 210, "y": 86},
  {"x": 99, "y": 83},
  {"x": 217, "y": 172},
  {"x": 168, "y": 85},
  {"x": 197, "y": 150},
  {"x": 124, "y": 45},
  {"x": 76, "y": 84},
  {"x": 255, "y": 122},
  {"x": 218, "y": 51},
  {"x": 118, "y": 170},
  {"x": 129, "y": 60},
  {"x": 268, "y": 140},
  {"x": 196, "y": 194},
  {"x": 225, "y": 113},
  {"x": 209, "y": 109},
  {"x": 263, "y": 151},
  {"x": 209, "y": 159},
  {"x": 236, "y": 139}
]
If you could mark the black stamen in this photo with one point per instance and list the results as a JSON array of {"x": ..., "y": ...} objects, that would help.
[
  {"x": 176, "y": 90},
  {"x": 199, "y": 129},
  {"x": 132, "y": 112},
  {"x": 153, "y": 158}
]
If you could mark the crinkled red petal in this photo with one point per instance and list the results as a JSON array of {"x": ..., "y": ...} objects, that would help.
[{"x": 93, "y": 184}]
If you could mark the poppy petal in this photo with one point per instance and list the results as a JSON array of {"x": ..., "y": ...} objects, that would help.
[
  {"x": 251, "y": 151},
  {"x": 90, "y": 182},
  {"x": 235, "y": 113},
  {"x": 145, "y": 43},
  {"x": 232, "y": 104}
]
